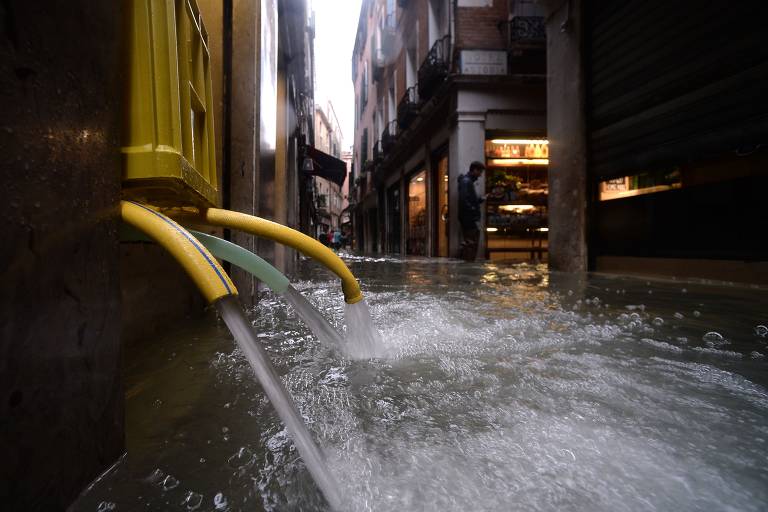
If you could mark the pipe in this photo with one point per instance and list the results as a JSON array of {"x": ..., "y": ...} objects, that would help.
[
  {"x": 244, "y": 259},
  {"x": 306, "y": 245},
  {"x": 195, "y": 259},
  {"x": 226, "y": 251}
]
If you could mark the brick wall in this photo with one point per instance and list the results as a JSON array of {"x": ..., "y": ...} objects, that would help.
[{"x": 478, "y": 27}]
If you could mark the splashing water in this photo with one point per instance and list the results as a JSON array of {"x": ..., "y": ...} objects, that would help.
[
  {"x": 502, "y": 388},
  {"x": 234, "y": 316},
  {"x": 316, "y": 322},
  {"x": 363, "y": 341}
]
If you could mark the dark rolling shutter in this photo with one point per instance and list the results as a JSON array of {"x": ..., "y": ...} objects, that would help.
[{"x": 674, "y": 81}]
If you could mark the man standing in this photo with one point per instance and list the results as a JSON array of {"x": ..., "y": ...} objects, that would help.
[{"x": 469, "y": 211}]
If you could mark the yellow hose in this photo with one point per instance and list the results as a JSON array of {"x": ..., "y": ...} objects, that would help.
[
  {"x": 195, "y": 259},
  {"x": 280, "y": 234}
]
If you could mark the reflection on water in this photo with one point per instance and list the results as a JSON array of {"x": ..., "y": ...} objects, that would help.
[{"x": 504, "y": 388}]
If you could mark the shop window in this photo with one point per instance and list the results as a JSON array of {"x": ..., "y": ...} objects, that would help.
[
  {"x": 517, "y": 185},
  {"x": 442, "y": 206},
  {"x": 639, "y": 184},
  {"x": 417, "y": 214}
]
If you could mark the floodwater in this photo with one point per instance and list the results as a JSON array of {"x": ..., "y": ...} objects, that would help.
[{"x": 500, "y": 388}]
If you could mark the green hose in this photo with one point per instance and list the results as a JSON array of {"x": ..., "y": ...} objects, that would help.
[
  {"x": 230, "y": 252},
  {"x": 244, "y": 259}
]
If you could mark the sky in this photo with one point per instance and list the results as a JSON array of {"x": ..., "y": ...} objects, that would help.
[{"x": 335, "y": 29}]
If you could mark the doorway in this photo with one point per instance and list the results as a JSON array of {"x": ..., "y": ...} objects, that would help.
[{"x": 417, "y": 214}]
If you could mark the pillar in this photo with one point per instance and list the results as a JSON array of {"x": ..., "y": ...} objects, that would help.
[
  {"x": 566, "y": 131},
  {"x": 244, "y": 130},
  {"x": 467, "y": 145}
]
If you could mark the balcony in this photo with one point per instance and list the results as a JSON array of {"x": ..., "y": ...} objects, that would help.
[
  {"x": 388, "y": 137},
  {"x": 377, "y": 153},
  {"x": 408, "y": 108},
  {"x": 435, "y": 67},
  {"x": 525, "y": 31},
  {"x": 526, "y": 41},
  {"x": 383, "y": 53}
]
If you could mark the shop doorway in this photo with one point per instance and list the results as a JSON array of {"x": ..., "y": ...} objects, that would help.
[
  {"x": 517, "y": 185},
  {"x": 373, "y": 230},
  {"x": 416, "y": 243},
  {"x": 393, "y": 219},
  {"x": 441, "y": 200}
]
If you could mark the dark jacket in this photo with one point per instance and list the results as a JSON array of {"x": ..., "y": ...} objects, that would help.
[{"x": 469, "y": 203}]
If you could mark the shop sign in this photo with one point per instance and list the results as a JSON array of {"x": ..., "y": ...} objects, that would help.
[
  {"x": 483, "y": 62},
  {"x": 523, "y": 148},
  {"x": 475, "y": 3}
]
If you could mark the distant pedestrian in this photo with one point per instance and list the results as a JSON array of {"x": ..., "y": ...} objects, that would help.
[
  {"x": 337, "y": 239},
  {"x": 469, "y": 211}
]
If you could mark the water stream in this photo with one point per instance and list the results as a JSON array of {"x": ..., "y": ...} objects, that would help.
[
  {"x": 232, "y": 313},
  {"x": 314, "y": 319},
  {"x": 499, "y": 388}
]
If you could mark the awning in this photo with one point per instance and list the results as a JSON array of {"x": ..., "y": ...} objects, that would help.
[{"x": 326, "y": 166}]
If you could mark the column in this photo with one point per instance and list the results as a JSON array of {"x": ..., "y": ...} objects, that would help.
[
  {"x": 566, "y": 131},
  {"x": 467, "y": 145}
]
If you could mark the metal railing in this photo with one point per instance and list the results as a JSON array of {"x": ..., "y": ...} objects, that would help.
[
  {"x": 377, "y": 153},
  {"x": 526, "y": 30},
  {"x": 435, "y": 67},
  {"x": 408, "y": 108},
  {"x": 389, "y": 136}
]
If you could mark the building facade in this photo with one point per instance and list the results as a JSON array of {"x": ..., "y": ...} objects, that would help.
[
  {"x": 658, "y": 136},
  {"x": 328, "y": 195},
  {"x": 440, "y": 84}
]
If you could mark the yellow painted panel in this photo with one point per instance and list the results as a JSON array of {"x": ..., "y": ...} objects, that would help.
[{"x": 169, "y": 146}]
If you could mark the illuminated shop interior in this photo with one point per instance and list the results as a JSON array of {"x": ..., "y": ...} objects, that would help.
[{"x": 517, "y": 187}]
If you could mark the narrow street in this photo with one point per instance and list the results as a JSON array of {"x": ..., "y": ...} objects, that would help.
[{"x": 383, "y": 255}]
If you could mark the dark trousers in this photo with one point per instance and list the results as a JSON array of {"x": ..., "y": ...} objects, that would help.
[{"x": 470, "y": 237}]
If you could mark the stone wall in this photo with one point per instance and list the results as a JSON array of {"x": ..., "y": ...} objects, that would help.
[{"x": 61, "y": 400}]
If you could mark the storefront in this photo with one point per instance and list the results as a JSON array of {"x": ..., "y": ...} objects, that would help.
[
  {"x": 516, "y": 207},
  {"x": 393, "y": 218},
  {"x": 440, "y": 179},
  {"x": 416, "y": 241}
]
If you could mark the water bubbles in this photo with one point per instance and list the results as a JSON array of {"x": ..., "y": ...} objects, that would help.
[
  {"x": 202, "y": 460},
  {"x": 243, "y": 458},
  {"x": 157, "y": 403},
  {"x": 714, "y": 339},
  {"x": 106, "y": 506},
  {"x": 156, "y": 476},
  {"x": 192, "y": 500},
  {"x": 219, "y": 501},
  {"x": 170, "y": 482},
  {"x": 679, "y": 315},
  {"x": 756, "y": 355},
  {"x": 696, "y": 313},
  {"x": 761, "y": 331},
  {"x": 658, "y": 321}
]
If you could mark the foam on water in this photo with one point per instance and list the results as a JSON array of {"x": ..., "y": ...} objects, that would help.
[
  {"x": 314, "y": 319},
  {"x": 501, "y": 388},
  {"x": 233, "y": 315}
]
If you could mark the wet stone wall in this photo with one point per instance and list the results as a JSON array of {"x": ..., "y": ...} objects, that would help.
[{"x": 61, "y": 403}]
